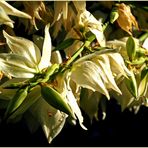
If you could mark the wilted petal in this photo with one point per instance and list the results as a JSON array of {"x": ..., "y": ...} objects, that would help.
[
  {"x": 46, "y": 51},
  {"x": 13, "y": 11},
  {"x": 86, "y": 74},
  {"x": 51, "y": 120},
  {"x": 126, "y": 20},
  {"x": 25, "y": 47}
]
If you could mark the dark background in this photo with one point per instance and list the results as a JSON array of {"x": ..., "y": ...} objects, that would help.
[{"x": 118, "y": 129}]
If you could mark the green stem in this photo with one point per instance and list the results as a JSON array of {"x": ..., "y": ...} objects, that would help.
[{"x": 77, "y": 53}]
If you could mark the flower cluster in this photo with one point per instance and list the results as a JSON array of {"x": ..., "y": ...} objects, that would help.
[{"x": 75, "y": 62}]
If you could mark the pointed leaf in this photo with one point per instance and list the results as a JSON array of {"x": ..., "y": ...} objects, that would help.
[
  {"x": 16, "y": 101},
  {"x": 143, "y": 86},
  {"x": 114, "y": 15},
  {"x": 65, "y": 44},
  {"x": 132, "y": 85},
  {"x": 131, "y": 48},
  {"x": 55, "y": 99},
  {"x": 31, "y": 98}
]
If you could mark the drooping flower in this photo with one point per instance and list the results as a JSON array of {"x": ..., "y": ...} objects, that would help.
[{"x": 98, "y": 72}]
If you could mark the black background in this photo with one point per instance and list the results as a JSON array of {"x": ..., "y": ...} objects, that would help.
[{"x": 118, "y": 129}]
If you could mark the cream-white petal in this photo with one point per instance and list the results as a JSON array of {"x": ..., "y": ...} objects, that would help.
[
  {"x": 24, "y": 47},
  {"x": 46, "y": 51},
  {"x": 86, "y": 74}
]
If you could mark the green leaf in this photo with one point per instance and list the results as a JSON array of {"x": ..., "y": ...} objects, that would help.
[
  {"x": 31, "y": 98},
  {"x": 114, "y": 15},
  {"x": 131, "y": 48},
  {"x": 132, "y": 85},
  {"x": 66, "y": 43},
  {"x": 55, "y": 99},
  {"x": 16, "y": 101},
  {"x": 143, "y": 85}
]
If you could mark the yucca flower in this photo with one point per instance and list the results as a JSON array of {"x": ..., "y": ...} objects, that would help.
[
  {"x": 25, "y": 59},
  {"x": 87, "y": 21},
  {"x": 98, "y": 72},
  {"x": 6, "y": 9}
]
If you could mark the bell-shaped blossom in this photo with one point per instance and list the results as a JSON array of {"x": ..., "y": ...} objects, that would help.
[{"x": 26, "y": 58}]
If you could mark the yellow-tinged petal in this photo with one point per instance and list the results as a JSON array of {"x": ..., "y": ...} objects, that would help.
[
  {"x": 4, "y": 18},
  {"x": 80, "y": 5},
  {"x": 13, "y": 11},
  {"x": 90, "y": 23}
]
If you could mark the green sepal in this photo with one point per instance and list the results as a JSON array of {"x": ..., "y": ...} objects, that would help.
[
  {"x": 132, "y": 85},
  {"x": 131, "y": 48},
  {"x": 16, "y": 101},
  {"x": 55, "y": 99},
  {"x": 114, "y": 15}
]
